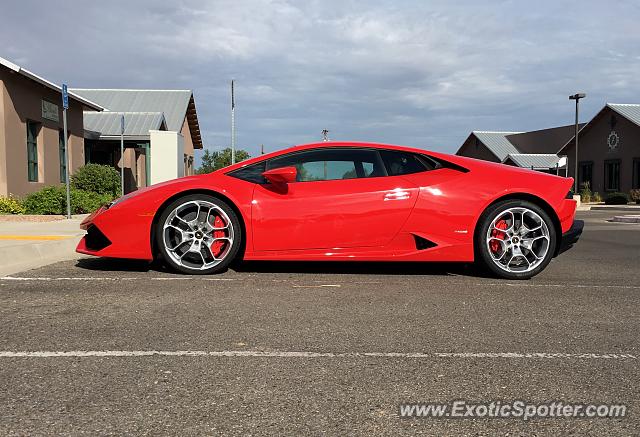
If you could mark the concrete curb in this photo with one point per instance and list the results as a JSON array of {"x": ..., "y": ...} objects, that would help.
[
  {"x": 618, "y": 208},
  {"x": 626, "y": 219},
  {"x": 21, "y": 257}
]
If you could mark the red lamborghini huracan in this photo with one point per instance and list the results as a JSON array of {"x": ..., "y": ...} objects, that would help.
[{"x": 344, "y": 201}]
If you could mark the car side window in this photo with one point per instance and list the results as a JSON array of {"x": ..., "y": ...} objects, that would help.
[
  {"x": 330, "y": 164},
  {"x": 400, "y": 163},
  {"x": 251, "y": 173}
]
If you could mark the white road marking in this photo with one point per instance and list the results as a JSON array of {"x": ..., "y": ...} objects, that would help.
[
  {"x": 193, "y": 279},
  {"x": 317, "y": 286},
  {"x": 298, "y": 354},
  {"x": 93, "y": 278},
  {"x": 521, "y": 284}
]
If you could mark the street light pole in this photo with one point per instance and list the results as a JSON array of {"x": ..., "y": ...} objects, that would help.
[{"x": 577, "y": 98}]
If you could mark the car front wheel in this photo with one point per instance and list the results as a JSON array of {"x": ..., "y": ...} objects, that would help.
[
  {"x": 198, "y": 234},
  {"x": 516, "y": 239}
]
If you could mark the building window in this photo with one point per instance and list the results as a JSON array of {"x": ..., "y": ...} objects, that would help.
[
  {"x": 63, "y": 161},
  {"x": 32, "y": 151},
  {"x": 612, "y": 175},
  {"x": 585, "y": 174},
  {"x": 636, "y": 173}
]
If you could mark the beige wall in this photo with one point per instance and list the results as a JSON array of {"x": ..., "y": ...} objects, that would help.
[
  {"x": 167, "y": 155},
  {"x": 21, "y": 100},
  {"x": 3, "y": 149},
  {"x": 188, "y": 147}
]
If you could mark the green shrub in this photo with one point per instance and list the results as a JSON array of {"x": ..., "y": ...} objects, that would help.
[
  {"x": 617, "y": 199},
  {"x": 585, "y": 192},
  {"x": 53, "y": 200},
  {"x": 49, "y": 200},
  {"x": 597, "y": 198},
  {"x": 635, "y": 195},
  {"x": 11, "y": 205},
  {"x": 102, "y": 179}
]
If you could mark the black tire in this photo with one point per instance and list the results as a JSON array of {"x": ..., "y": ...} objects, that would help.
[
  {"x": 483, "y": 256},
  {"x": 230, "y": 253}
]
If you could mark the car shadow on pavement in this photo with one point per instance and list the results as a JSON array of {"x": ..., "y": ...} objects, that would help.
[
  {"x": 356, "y": 267},
  {"x": 304, "y": 267},
  {"x": 118, "y": 264}
]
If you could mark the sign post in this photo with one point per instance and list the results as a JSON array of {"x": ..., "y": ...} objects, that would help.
[
  {"x": 233, "y": 125},
  {"x": 122, "y": 154},
  {"x": 65, "y": 106}
]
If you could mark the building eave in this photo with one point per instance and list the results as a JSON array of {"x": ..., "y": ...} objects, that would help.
[{"x": 48, "y": 84}]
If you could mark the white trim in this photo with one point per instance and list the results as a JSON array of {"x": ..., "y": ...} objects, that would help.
[{"x": 42, "y": 81}]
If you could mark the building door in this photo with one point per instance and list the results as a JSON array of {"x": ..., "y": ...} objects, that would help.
[
  {"x": 612, "y": 175},
  {"x": 585, "y": 174}
]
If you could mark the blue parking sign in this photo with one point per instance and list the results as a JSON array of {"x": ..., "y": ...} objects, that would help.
[{"x": 65, "y": 97}]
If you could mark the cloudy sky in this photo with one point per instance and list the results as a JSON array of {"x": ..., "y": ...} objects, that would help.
[{"x": 413, "y": 72}]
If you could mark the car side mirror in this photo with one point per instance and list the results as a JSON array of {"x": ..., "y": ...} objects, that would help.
[{"x": 282, "y": 175}]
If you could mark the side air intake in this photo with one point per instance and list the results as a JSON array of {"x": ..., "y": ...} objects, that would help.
[{"x": 423, "y": 243}]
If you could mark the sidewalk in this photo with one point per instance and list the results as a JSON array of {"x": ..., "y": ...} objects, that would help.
[
  {"x": 28, "y": 242},
  {"x": 602, "y": 207}
]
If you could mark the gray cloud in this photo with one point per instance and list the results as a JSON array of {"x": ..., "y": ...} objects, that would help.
[{"x": 408, "y": 72}]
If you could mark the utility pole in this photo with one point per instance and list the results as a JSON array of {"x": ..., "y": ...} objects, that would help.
[
  {"x": 262, "y": 149},
  {"x": 577, "y": 98},
  {"x": 122, "y": 154},
  {"x": 233, "y": 125},
  {"x": 65, "y": 106}
]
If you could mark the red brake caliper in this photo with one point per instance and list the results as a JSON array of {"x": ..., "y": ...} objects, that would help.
[
  {"x": 494, "y": 245},
  {"x": 217, "y": 246}
]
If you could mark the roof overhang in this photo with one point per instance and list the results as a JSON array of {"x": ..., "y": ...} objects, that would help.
[
  {"x": 194, "y": 126},
  {"x": 48, "y": 84}
]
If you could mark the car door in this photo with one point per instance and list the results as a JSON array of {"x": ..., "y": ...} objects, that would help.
[{"x": 342, "y": 198}]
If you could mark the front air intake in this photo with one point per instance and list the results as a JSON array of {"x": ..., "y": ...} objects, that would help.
[{"x": 95, "y": 239}]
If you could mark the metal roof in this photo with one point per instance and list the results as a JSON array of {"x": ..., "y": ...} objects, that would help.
[
  {"x": 533, "y": 160},
  {"x": 136, "y": 124},
  {"x": 627, "y": 110},
  {"x": 173, "y": 103},
  {"x": 42, "y": 81},
  {"x": 497, "y": 142}
]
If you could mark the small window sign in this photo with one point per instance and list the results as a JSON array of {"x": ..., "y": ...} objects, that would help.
[{"x": 50, "y": 111}]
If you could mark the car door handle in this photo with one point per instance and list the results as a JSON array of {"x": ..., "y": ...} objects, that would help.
[{"x": 397, "y": 194}]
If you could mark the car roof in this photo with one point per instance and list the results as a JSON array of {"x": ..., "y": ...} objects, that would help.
[{"x": 322, "y": 144}]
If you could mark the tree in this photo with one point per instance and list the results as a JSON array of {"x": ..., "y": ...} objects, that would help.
[{"x": 212, "y": 161}]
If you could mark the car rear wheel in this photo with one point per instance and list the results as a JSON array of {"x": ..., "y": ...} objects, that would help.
[
  {"x": 198, "y": 234},
  {"x": 516, "y": 239}
]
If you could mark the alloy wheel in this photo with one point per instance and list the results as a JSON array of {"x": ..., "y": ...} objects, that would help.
[
  {"x": 197, "y": 235},
  {"x": 518, "y": 240}
]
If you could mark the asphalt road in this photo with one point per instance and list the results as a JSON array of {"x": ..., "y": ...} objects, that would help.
[{"x": 297, "y": 349}]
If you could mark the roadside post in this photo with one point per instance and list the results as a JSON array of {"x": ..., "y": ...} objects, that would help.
[
  {"x": 233, "y": 124},
  {"x": 577, "y": 98},
  {"x": 65, "y": 106},
  {"x": 122, "y": 154}
]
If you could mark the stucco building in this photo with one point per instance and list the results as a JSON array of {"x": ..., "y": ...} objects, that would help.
[
  {"x": 161, "y": 132},
  {"x": 608, "y": 149},
  {"x": 537, "y": 150},
  {"x": 31, "y": 131}
]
